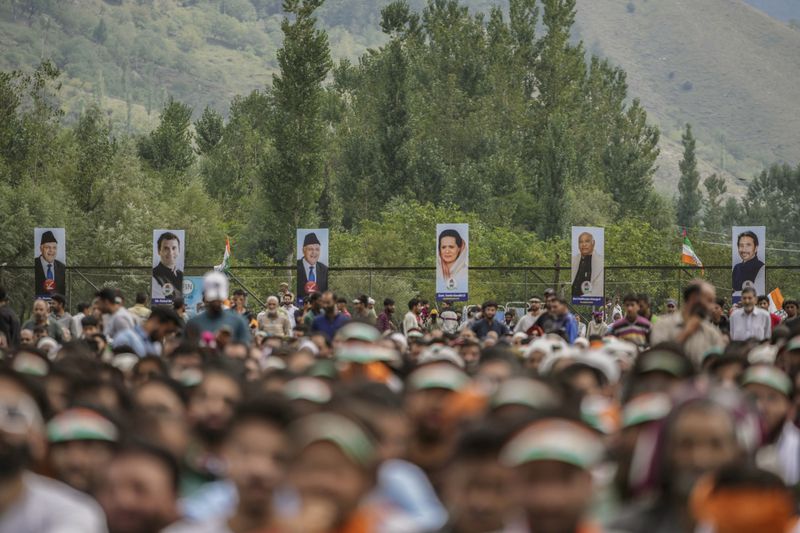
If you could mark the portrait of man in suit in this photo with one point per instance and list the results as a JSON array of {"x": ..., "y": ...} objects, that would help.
[
  {"x": 167, "y": 275},
  {"x": 749, "y": 270},
  {"x": 587, "y": 268},
  {"x": 312, "y": 273},
  {"x": 50, "y": 273}
]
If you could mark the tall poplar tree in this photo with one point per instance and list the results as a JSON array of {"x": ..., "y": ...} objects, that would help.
[{"x": 689, "y": 196}]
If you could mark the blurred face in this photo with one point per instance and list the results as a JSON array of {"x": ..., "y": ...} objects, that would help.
[
  {"x": 328, "y": 303},
  {"x": 239, "y": 300},
  {"x": 471, "y": 354},
  {"x": 586, "y": 244},
  {"x": 670, "y": 308},
  {"x": 495, "y": 372},
  {"x": 477, "y": 494},
  {"x": 323, "y": 474},
  {"x": 774, "y": 407},
  {"x": 747, "y": 248},
  {"x": 169, "y": 252},
  {"x": 702, "y": 440},
  {"x": 40, "y": 311},
  {"x": 489, "y": 313},
  {"x": 425, "y": 409},
  {"x": 20, "y": 418},
  {"x": 716, "y": 312},
  {"x": 448, "y": 249},
  {"x": 49, "y": 251},
  {"x": 256, "y": 458},
  {"x": 748, "y": 301},
  {"x": 212, "y": 405},
  {"x": 311, "y": 253},
  {"x": 631, "y": 309},
  {"x": 26, "y": 337},
  {"x": 80, "y": 464},
  {"x": 137, "y": 495},
  {"x": 272, "y": 304},
  {"x": 389, "y": 309},
  {"x": 554, "y": 495},
  {"x": 708, "y": 297},
  {"x": 536, "y": 306},
  {"x": 791, "y": 310},
  {"x": 764, "y": 304},
  {"x": 287, "y": 299}
]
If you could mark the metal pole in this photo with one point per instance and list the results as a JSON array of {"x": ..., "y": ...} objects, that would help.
[
  {"x": 251, "y": 293},
  {"x": 85, "y": 279},
  {"x": 370, "y": 282}
]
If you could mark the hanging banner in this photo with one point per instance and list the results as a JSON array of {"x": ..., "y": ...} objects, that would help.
[
  {"x": 193, "y": 295},
  {"x": 169, "y": 248},
  {"x": 50, "y": 262},
  {"x": 452, "y": 262},
  {"x": 588, "y": 265},
  {"x": 312, "y": 261},
  {"x": 749, "y": 246}
]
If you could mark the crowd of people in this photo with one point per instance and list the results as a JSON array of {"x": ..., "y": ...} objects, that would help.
[{"x": 337, "y": 417}]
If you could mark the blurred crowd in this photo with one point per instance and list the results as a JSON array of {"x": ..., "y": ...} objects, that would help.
[{"x": 337, "y": 417}]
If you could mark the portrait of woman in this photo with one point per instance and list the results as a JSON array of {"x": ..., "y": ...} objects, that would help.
[{"x": 452, "y": 262}]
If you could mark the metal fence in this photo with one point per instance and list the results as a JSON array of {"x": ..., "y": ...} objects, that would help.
[{"x": 501, "y": 283}]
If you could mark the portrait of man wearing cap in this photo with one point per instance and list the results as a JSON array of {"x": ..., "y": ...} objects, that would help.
[
  {"x": 50, "y": 273},
  {"x": 312, "y": 273}
]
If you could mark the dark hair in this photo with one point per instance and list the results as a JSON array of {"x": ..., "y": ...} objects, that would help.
[
  {"x": 562, "y": 299},
  {"x": 489, "y": 303},
  {"x": 692, "y": 289},
  {"x": 749, "y": 290},
  {"x": 644, "y": 297},
  {"x": 138, "y": 447},
  {"x": 500, "y": 354},
  {"x": 762, "y": 298},
  {"x": 341, "y": 300},
  {"x": 164, "y": 314},
  {"x": 59, "y": 298},
  {"x": 451, "y": 233},
  {"x": 413, "y": 302},
  {"x": 3, "y": 294},
  {"x": 388, "y": 301},
  {"x": 747, "y": 234},
  {"x": 141, "y": 298},
  {"x": 178, "y": 302},
  {"x": 720, "y": 302},
  {"x": 481, "y": 442},
  {"x": 364, "y": 299},
  {"x": 313, "y": 297},
  {"x": 107, "y": 294},
  {"x": 789, "y": 302},
  {"x": 89, "y": 320},
  {"x": 167, "y": 236},
  {"x": 239, "y": 292},
  {"x": 162, "y": 365},
  {"x": 83, "y": 306},
  {"x": 270, "y": 409},
  {"x": 630, "y": 298}
]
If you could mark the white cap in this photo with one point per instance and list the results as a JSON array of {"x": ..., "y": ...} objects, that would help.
[
  {"x": 437, "y": 353},
  {"x": 370, "y": 301},
  {"x": 763, "y": 353},
  {"x": 215, "y": 286}
]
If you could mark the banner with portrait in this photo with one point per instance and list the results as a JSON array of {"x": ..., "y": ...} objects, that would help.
[
  {"x": 588, "y": 266},
  {"x": 748, "y": 250},
  {"x": 49, "y": 262},
  {"x": 312, "y": 261},
  {"x": 452, "y": 262},
  {"x": 193, "y": 295},
  {"x": 169, "y": 251}
]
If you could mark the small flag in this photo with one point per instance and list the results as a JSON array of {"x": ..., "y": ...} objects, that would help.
[
  {"x": 688, "y": 257},
  {"x": 226, "y": 259},
  {"x": 775, "y": 301}
]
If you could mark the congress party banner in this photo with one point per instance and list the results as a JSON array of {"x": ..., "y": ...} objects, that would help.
[
  {"x": 50, "y": 262},
  {"x": 749, "y": 246},
  {"x": 452, "y": 262},
  {"x": 312, "y": 261},
  {"x": 588, "y": 266},
  {"x": 169, "y": 250},
  {"x": 193, "y": 294}
]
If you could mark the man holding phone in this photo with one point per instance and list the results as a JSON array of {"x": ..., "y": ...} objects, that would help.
[{"x": 691, "y": 327}]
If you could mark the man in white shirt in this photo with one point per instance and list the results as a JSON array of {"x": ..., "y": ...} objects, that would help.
[
  {"x": 110, "y": 303},
  {"x": 750, "y": 322},
  {"x": 534, "y": 312},
  {"x": 411, "y": 320},
  {"x": 32, "y": 503}
]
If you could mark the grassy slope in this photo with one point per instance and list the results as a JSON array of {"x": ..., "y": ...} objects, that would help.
[{"x": 743, "y": 67}]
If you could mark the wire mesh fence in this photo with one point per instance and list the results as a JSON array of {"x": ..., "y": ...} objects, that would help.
[{"x": 500, "y": 283}]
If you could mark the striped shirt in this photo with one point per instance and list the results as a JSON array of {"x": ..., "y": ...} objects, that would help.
[{"x": 637, "y": 332}]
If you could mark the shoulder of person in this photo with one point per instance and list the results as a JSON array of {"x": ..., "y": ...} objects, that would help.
[{"x": 69, "y": 504}]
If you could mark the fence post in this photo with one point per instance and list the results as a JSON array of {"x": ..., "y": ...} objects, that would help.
[
  {"x": 526, "y": 294},
  {"x": 370, "y": 283}
]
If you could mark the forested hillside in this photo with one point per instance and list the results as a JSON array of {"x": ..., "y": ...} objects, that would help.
[{"x": 729, "y": 79}]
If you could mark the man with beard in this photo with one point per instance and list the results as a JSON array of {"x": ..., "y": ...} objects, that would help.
[
  {"x": 140, "y": 490},
  {"x": 30, "y": 503},
  {"x": 215, "y": 317},
  {"x": 211, "y": 407},
  {"x": 330, "y": 320},
  {"x": 256, "y": 453},
  {"x": 750, "y": 272},
  {"x": 487, "y": 322},
  {"x": 146, "y": 339},
  {"x": 42, "y": 318}
]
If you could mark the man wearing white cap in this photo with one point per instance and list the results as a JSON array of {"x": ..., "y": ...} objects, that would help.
[{"x": 215, "y": 317}]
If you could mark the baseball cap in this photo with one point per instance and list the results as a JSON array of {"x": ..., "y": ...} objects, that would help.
[
  {"x": 342, "y": 432},
  {"x": 769, "y": 376},
  {"x": 80, "y": 423},
  {"x": 215, "y": 286},
  {"x": 308, "y": 388},
  {"x": 524, "y": 391},
  {"x": 646, "y": 408},
  {"x": 554, "y": 439},
  {"x": 438, "y": 376},
  {"x": 358, "y": 331}
]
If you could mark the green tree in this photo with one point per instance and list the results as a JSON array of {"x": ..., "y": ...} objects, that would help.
[
  {"x": 169, "y": 146},
  {"x": 292, "y": 179},
  {"x": 689, "y": 196},
  {"x": 208, "y": 130},
  {"x": 716, "y": 189},
  {"x": 100, "y": 33},
  {"x": 96, "y": 150}
]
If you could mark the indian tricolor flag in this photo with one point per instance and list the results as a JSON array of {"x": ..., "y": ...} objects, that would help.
[
  {"x": 775, "y": 301},
  {"x": 688, "y": 256},
  {"x": 226, "y": 258}
]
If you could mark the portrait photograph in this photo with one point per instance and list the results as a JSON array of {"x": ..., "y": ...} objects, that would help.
[
  {"x": 452, "y": 262},
  {"x": 50, "y": 262},
  {"x": 748, "y": 247},
  {"x": 312, "y": 261},
  {"x": 169, "y": 251},
  {"x": 588, "y": 266}
]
